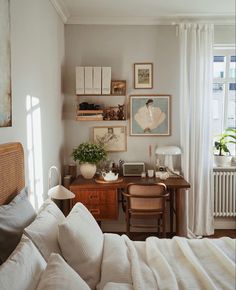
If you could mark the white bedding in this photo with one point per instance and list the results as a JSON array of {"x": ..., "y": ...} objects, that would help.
[{"x": 178, "y": 263}]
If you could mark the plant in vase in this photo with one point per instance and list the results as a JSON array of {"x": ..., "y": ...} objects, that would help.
[
  {"x": 89, "y": 154},
  {"x": 222, "y": 156}
]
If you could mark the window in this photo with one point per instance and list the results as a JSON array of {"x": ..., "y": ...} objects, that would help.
[{"x": 224, "y": 92}]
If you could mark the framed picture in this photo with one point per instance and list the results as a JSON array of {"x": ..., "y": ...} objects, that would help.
[
  {"x": 150, "y": 115},
  {"x": 5, "y": 66},
  {"x": 143, "y": 75},
  {"x": 112, "y": 137},
  {"x": 118, "y": 88}
]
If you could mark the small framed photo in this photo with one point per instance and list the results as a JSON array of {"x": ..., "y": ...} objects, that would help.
[
  {"x": 113, "y": 138},
  {"x": 118, "y": 88},
  {"x": 150, "y": 115},
  {"x": 143, "y": 75}
]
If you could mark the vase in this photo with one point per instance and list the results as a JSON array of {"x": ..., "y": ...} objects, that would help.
[
  {"x": 88, "y": 170},
  {"x": 222, "y": 161}
]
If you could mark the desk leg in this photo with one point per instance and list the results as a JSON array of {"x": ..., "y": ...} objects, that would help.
[
  {"x": 180, "y": 212},
  {"x": 172, "y": 193}
]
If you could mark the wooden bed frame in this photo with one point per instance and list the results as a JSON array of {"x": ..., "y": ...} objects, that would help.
[{"x": 12, "y": 175}]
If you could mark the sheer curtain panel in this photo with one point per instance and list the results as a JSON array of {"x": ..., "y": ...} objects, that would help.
[{"x": 196, "y": 46}]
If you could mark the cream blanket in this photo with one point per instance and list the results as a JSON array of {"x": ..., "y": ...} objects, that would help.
[{"x": 176, "y": 263}]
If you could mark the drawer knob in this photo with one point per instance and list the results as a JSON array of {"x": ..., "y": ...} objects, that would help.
[
  {"x": 91, "y": 196},
  {"x": 95, "y": 211}
]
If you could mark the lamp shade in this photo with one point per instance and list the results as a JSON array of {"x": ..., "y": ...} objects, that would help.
[
  {"x": 58, "y": 191},
  {"x": 168, "y": 150}
]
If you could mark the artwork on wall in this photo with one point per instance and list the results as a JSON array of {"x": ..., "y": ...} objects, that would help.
[
  {"x": 118, "y": 88},
  {"x": 5, "y": 65},
  {"x": 150, "y": 115},
  {"x": 112, "y": 137},
  {"x": 143, "y": 75}
]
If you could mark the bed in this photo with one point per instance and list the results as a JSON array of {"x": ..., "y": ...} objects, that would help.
[{"x": 57, "y": 252}]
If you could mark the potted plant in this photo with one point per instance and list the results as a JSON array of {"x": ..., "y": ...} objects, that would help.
[
  {"x": 89, "y": 154},
  {"x": 223, "y": 157}
]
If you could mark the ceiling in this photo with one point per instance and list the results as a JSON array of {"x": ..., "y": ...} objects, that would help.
[{"x": 144, "y": 11}]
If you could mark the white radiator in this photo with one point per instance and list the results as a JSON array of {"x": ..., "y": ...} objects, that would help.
[{"x": 224, "y": 193}]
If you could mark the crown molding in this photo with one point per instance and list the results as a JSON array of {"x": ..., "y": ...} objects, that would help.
[
  {"x": 61, "y": 10},
  {"x": 219, "y": 19}
]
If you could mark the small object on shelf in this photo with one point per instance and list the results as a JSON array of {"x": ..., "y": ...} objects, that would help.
[
  {"x": 88, "y": 106},
  {"x": 114, "y": 113},
  {"x": 121, "y": 112},
  {"x": 89, "y": 115},
  {"x": 118, "y": 88}
]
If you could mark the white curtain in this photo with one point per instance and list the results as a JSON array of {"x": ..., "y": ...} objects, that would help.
[{"x": 196, "y": 44}]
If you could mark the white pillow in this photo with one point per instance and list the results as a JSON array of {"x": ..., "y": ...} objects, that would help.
[
  {"x": 43, "y": 231},
  {"x": 81, "y": 243},
  {"x": 23, "y": 268},
  {"x": 60, "y": 276}
]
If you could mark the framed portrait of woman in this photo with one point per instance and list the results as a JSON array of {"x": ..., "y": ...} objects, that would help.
[{"x": 150, "y": 115}]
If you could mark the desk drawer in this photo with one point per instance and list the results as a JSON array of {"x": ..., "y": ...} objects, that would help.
[
  {"x": 103, "y": 212},
  {"x": 96, "y": 197}
]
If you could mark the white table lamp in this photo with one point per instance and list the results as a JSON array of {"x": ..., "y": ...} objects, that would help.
[
  {"x": 58, "y": 191},
  {"x": 168, "y": 151}
]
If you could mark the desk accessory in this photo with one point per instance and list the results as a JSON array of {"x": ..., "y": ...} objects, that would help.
[{"x": 133, "y": 169}]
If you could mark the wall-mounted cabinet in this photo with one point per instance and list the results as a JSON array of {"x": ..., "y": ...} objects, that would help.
[
  {"x": 101, "y": 108},
  {"x": 95, "y": 101}
]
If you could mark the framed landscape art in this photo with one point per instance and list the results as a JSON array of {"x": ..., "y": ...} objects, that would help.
[
  {"x": 113, "y": 138},
  {"x": 150, "y": 115}
]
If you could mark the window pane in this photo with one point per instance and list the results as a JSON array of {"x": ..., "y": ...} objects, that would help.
[
  {"x": 231, "y": 118},
  {"x": 219, "y": 67},
  {"x": 232, "y": 67},
  {"x": 218, "y": 107}
]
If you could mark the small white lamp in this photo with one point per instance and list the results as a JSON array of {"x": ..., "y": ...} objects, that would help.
[
  {"x": 58, "y": 191},
  {"x": 168, "y": 151}
]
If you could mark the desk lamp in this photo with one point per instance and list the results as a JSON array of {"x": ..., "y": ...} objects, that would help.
[
  {"x": 58, "y": 191},
  {"x": 168, "y": 151}
]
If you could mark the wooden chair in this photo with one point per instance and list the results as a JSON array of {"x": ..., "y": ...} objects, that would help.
[{"x": 146, "y": 201}]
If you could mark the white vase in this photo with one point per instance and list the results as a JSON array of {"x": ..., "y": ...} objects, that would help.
[
  {"x": 222, "y": 161},
  {"x": 88, "y": 170}
]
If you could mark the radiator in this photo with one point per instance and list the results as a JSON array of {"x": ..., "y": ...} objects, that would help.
[{"x": 224, "y": 193}]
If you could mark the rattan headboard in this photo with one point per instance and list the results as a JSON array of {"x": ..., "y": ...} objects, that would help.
[{"x": 12, "y": 176}]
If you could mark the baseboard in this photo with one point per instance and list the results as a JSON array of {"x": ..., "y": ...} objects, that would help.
[{"x": 225, "y": 223}]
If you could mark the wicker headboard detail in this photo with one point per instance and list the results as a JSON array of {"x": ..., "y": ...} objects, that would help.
[{"x": 12, "y": 175}]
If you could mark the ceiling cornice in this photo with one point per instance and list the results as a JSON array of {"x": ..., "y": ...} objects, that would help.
[
  {"x": 226, "y": 19},
  {"x": 61, "y": 10}
]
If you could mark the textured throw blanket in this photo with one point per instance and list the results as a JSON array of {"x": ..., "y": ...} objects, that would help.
[{"x": 176, "y": 263}]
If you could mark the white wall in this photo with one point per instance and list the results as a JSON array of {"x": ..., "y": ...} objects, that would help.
[
  {"x": 37, "y": 56},
  {"x": 225, "y": 34},
  {"x": 120, "y": 47}
]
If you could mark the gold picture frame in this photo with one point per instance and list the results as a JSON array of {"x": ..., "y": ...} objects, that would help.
[{"x": 143, "y": 75}]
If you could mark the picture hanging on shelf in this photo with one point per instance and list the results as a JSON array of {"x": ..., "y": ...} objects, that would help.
[{"x": 118, "y": 88}]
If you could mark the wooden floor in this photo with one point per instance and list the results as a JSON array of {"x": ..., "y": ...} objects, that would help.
[{"x": 217, "y": 234}]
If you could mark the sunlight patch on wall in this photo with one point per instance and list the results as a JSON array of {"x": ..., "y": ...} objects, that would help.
[{"x": 34, "y": 151}]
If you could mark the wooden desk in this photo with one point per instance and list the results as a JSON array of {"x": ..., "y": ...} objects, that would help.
[{"x": 102, "y": 199}]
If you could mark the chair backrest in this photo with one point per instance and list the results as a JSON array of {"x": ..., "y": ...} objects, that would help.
[{"x": 146, "y": 196}]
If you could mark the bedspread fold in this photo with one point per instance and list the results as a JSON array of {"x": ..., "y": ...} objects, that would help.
[{"x": 176, "y": 263}]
